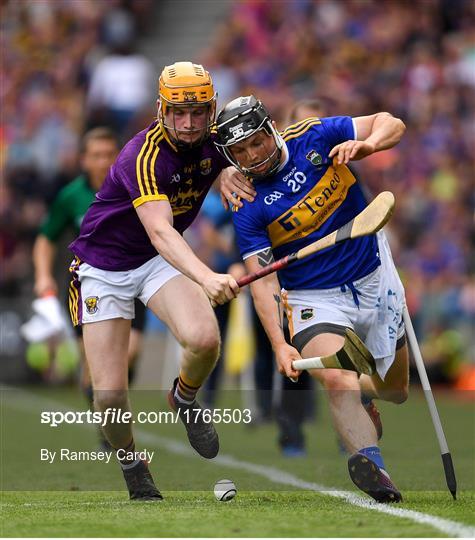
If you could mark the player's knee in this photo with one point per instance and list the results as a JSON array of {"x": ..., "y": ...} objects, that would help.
[
  {"x": 395, "y": 392},
  {"x": 398, "y": 395},
  {"x": 108, "y": 399},
  {"x": 204, "y": 343},
  {"x": 335, "y": 380}
]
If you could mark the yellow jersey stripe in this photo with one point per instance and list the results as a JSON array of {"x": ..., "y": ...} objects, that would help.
[
  {"x": 301, "y": 128},
  {"x": 148, "y": 172},
  {"x": 153, "y": 178},
  {"x": 294, "y": 134},
  {"x": 143, "y": 151},
  {"x": 140, "y": 200},
  {"x": 300, "y": 124},
  {"x": 145, "y": 178}
]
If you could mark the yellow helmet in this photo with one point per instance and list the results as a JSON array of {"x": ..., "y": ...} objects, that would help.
[{"x": 186, "y": 84}]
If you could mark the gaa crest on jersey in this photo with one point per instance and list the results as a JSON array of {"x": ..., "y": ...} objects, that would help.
[
  {"x": 314, "y": 157},
  {"x": 91, "y": 304},
  {"x": 205, "y": 166},
  {"x": 306, "y": 314}
]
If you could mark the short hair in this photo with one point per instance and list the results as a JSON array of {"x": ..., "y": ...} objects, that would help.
[
  {"x": 314, "y": 104},
  {"x": 99, "y": 133}
]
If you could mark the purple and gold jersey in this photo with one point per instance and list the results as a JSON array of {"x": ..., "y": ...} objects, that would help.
[
  {"x": 148, "y": 168},
  {"x": 308, "y": 198}
]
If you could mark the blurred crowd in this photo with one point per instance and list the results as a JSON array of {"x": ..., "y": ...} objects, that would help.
[{"x": 69, "y": 65}]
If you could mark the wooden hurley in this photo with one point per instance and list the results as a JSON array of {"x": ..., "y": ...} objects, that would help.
[
  {"x": 369, "y": 221},
  {"x": 353, "y": 356}
]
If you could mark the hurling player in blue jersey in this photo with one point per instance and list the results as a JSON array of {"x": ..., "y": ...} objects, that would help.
[{"x": 302, "y": 190}]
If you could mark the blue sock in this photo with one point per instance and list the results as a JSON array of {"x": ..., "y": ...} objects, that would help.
[{"x": 374, "y": 454}]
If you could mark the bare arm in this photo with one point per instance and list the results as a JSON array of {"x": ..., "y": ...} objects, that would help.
[
  {"x": 157, "y": 218},
  {"x": 44, "y": 252},
  {"x": 267, "y": 301},
  {"x": 377, "y": 132}
]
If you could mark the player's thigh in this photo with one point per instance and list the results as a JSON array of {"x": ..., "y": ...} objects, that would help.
[
  {"x": 106, "y": 345},
  {"x": 332, "y": 379},
  {"x": 184, "y": 307},
  {"x": 395, "y": 386},
  {"x": 323, "y": 345}
]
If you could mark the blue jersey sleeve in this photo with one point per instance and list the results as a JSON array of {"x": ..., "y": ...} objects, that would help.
[
  {"x": 251, "y": 232},
  {"x": 338, "y": 129}
]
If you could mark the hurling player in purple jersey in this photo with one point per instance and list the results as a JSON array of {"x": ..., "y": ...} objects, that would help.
[
  {"x": 131, "y": 246},
  {"x": 302, "y": 190}
]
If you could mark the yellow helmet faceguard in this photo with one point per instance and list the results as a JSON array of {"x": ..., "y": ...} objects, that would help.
[{"x": 186, "y": 84}]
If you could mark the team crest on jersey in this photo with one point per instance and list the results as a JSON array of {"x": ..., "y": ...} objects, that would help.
[
  {"x": 205, "y": 166},
  {"x": 314, "y": 157},
  {"x": 306, "y": 314},
  {"x": 184, "y": 200},
  {"x": 91, "y": 304}
]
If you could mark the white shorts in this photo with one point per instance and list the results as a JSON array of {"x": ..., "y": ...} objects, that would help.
[
  {"x": 373, "y": 310},
  {"x": 98, "y": 295}
]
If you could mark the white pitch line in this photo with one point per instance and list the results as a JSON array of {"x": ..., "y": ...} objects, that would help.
[
  {"x": 449, "y": 527},
  {"x": 452, "y": 528},
  {"x": 38, "y": 504}
]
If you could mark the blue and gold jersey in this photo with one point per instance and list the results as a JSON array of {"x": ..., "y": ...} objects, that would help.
[{"x": 308, "y": 198}]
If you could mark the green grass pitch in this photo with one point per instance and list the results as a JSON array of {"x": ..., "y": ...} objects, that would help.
[{"x": 276, "y": 496}]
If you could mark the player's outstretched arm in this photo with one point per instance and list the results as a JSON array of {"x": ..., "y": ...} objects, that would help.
[
  {"x": 157, "y": 218},
  {"x": 376, "y": 132},
  {"x": 44, "y": 252},
  {"x": 267, "y": 301}
]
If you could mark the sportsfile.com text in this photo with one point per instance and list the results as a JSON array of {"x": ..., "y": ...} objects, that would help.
[{"x": 112, "y": 415}]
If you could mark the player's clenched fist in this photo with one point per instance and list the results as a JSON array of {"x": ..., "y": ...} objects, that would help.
[
  {"x": 284, "y": 356},
  {"x": 220, "y": 288}
]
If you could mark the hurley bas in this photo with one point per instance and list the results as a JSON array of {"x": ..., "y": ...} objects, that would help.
[{"x": 66, "y": 454}]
